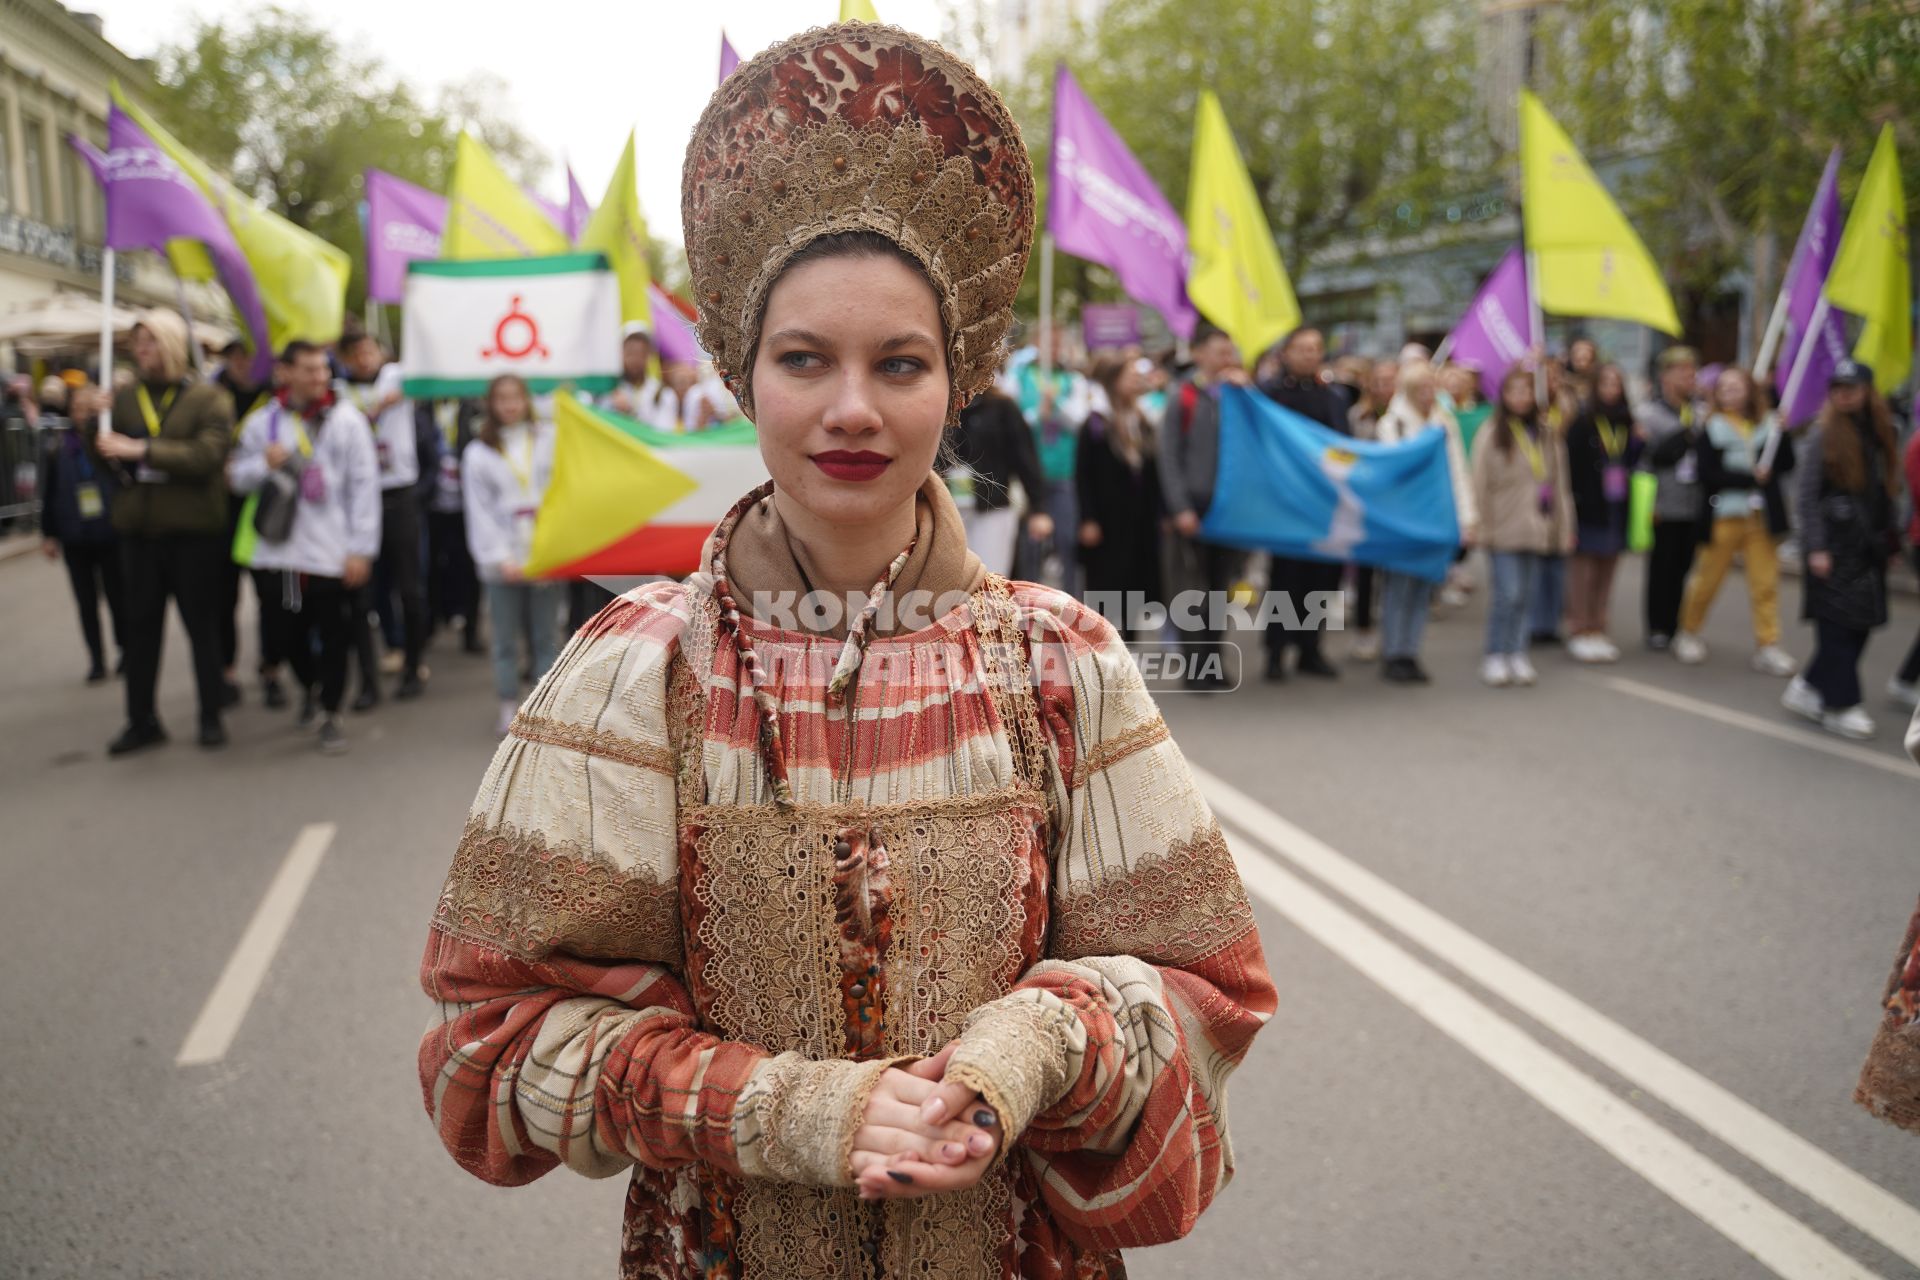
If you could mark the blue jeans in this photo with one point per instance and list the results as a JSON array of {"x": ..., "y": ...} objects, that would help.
[
  {"x": 1403, "y": 614},
  {"x": 523, "y": 608},
  {"x": 1549, "y": 596},
  {"x": 1516, "y": 576}
]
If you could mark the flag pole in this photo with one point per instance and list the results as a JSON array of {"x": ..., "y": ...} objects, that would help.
[
  {"x": 186, "y": 314},
  {"x": 1046, "y": 308},
  {"x": 1441, "y": 352},
  {"x": 1816, "y": 327},
  {"x": 1776, "y": 329},
  {"x": 1537, "y": 334},
  {"x": 106, "y": 340}
]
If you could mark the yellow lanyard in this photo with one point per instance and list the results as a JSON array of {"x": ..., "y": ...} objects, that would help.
[
  {"x": 1741, "y": 425},
  {"x": 1613, "y": 439},
  {"x": 147, "y": 409},
  {"x": 448, "y": 414},
  {"x": 523, "y": 475},
  {"x": 299, "y": 433},
  {"x": 1535, "y": 458}
]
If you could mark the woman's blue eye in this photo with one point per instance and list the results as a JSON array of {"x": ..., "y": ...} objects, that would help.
[
  {"x": 798, "y": 359},
  {"x": 900, "y": 365}
]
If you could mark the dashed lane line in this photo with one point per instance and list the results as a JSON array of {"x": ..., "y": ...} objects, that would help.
[{"x": 212, "y": 1032}]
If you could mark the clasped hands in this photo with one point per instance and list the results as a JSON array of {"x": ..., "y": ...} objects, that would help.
[{"x": 922, "y": 1135}]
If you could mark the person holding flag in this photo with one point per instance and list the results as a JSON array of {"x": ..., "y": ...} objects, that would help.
[{"x": 171, "y": 433}]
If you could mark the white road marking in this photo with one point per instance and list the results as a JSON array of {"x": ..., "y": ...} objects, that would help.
[
  {"x": 1755, "y": 1135},
  {"x": 1799, "y": 737},
  {"x": 212, "y": 1032}
]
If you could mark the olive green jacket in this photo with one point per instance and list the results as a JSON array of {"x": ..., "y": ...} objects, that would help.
[{"x": 182, "y": 486}]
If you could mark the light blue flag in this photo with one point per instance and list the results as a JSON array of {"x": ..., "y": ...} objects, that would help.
[{"x": 1290, "y": 486}]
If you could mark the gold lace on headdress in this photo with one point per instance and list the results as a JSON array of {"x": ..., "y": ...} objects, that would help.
[{"x": 858, "y": 127}]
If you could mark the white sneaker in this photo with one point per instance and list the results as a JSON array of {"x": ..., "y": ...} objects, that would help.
[
  {"x": 1495, "y": 671},
  {"x": 1452, "y": 597},
  {"x": 1903, "y": 693},
  {"x": 1522, "y": 668},
  {"x": 1607, "y": 649},
  {"x": 1851, "y": 723},
  {"x": 508, "y": 709},
  {"x": 1689, "y": 648},
  {"x": 1802, "y": 699},
  {"x": 1366, "y": 647},
  {"x": 1580, "y": 649},
  {"x": 1772, "y": 660}
]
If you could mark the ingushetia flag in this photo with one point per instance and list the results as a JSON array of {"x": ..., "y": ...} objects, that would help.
[{"x": 626, "y": 499}]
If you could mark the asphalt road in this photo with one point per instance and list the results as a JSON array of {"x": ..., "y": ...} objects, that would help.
[{"x": 1575, "y": 981}]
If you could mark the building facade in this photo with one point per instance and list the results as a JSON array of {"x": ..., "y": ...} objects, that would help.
[{"x": 55, "y": 66}]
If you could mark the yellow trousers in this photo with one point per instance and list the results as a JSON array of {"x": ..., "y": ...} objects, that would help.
[{"x": 1745, "y": 535}]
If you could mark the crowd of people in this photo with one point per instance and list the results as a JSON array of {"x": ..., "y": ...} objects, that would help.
[
  {"x": 1093, "y": 474},
  {"x": 1119, "y": 461},
  {"x": 365, "y": 522}
]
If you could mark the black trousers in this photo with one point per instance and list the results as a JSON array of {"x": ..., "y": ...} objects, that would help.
[
  {"x": 1834, "y": 668},
  {"x": 186, "y": 567},
  {"x": 1910, "y": 669},
  {"x": 1300, "y": 579},
  {"x": 453, "y": 588},
  {"x": 93, "y": 568},
  {"x": 315, "y": 617},
  {"x": 228, "y": 620},
  {"x": 1363, "y": 591},
  {"x": 400, "y": 569},
  {"x": 1674, "y": 542},
  {"x": 269, "y": 590}
]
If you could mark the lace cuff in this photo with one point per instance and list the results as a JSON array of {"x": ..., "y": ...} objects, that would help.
[
  {"x": 1017, "y": 1054},
  {"x": 796, "y": 1118}
]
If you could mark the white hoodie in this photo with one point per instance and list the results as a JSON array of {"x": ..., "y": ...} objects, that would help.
[
  {"x": 1402, "y": 422},
  {"x": 345, "y": 521},
  {"x": 503, "y": 488},
  {"x": 393, "y": 438}
]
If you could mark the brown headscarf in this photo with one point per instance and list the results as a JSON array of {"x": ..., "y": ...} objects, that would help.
[{"x": 762, "y": 556}]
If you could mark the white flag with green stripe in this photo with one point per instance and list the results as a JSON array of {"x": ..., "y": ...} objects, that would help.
[{"x": 554, "y": 321}]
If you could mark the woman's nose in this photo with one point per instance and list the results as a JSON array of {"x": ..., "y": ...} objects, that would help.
[{"x": 854, "y": 408}]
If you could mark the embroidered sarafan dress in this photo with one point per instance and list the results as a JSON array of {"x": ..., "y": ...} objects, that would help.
[{"x": 709, "y": 891}]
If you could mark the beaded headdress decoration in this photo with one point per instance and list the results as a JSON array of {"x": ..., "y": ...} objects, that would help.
[{"x": 858, "y": 127}]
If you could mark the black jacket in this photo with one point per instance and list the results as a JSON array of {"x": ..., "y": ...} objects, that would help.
[
  {"x": 1587, "y": 462},
  {"x": 994, "y": 441},
  {"x": 1310, "y": 398},
  {"x": 1127, "y": 505},
  {"x": 1855, "y": 527},
  {"x": 65, "y": 465}
]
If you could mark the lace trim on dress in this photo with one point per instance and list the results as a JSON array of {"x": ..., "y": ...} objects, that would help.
[
  {"x": 1174, "y": 908},
  {"x": 510, "y": 890},
  {"x": 594, "y": 742}
]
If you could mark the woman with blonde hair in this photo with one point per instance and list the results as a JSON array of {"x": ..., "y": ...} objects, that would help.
[
  {"x": 883, "y": 940},
  {"x": 1415, "y": 409}
]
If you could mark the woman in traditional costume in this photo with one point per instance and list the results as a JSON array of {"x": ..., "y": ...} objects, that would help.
[{"x": 903, "y": 947}]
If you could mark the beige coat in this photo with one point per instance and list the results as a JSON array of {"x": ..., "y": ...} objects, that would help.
[
  {"x": 1508, "y": 497},
  {"x": 1402, "y": 421}
]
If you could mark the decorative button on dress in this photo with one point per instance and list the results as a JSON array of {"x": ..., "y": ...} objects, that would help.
[{"x": 721, "y": 875}]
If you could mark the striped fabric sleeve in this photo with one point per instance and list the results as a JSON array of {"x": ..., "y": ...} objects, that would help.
[
  {"x": 563, "y": 1033},
  {"x": 1155, "y": 982}
]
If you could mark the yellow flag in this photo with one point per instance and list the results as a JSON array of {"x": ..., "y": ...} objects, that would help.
[
  {"x": 489, "y": 216},
  {"x": 1237, "y": 281},
  {"x": 1871, "y": 276},
  {"x": 606, "y": 486},
  {"x": 1588, "y": 259},
  {"x": 302, "y": 279},
  {"x": 858, "y": 11},
  {"x": 619, "y": 230}
]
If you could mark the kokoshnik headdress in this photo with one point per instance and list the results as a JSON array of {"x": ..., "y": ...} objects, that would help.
[{"x": 858, "y": 127}]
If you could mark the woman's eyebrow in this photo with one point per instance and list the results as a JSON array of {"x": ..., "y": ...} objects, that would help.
[
  {"x": 806, "y": 337},
  {"x": 905, "y": 340}
]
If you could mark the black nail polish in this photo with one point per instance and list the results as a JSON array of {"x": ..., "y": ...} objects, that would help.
[
  {"x": 983, "y": 1118},
  {"x": 898, "y": 1176}
]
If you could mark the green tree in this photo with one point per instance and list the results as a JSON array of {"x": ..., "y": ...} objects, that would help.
[
  {"x": 1730, "y": 111},
  {"x": 296, "y": 117}
]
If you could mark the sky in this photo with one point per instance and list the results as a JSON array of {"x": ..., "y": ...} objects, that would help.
[{"x": 580, "y": 73}]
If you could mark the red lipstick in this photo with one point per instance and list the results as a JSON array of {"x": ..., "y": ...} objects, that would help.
[{"x": 857, "y": 464}]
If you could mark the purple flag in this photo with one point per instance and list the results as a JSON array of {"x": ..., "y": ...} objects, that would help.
[
  {"x": 1102, "y": 206},
  {"x": 673, "y": 335},
  {"x": 1493, "y": 333},
  {"x": 1108, "y": 325},
  {"x": 404, "y": 223},
  {"x": 1806, "y": 277},
  {"x": 151, "y": 201},
  {"x": 728, "y": 58},
  {"x": 578, "y": 210}
]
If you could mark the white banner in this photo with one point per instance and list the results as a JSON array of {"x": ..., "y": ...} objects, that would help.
[{"x": 554, "y": 321}]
